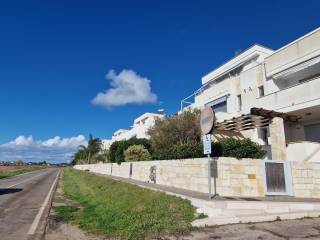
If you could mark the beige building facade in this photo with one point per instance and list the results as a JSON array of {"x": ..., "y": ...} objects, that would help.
[
  {"x": 286, "y": 80},
  {"x": 139, "y": 129}
]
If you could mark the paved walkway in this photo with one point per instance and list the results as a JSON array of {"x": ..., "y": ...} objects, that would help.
[
  {"x": 204, "y": 196},
  {"x": 279, "y": 230},
  {"x": 231, "y": 210}
]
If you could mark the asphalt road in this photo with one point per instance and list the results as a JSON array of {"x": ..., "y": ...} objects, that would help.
[{"x": 24, "y": 203}]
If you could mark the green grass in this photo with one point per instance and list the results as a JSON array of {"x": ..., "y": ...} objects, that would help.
[
  {"x": 121, "y": 210},
  {"x": 68, "y": 213},
  {"x": 14, "y": 172}
]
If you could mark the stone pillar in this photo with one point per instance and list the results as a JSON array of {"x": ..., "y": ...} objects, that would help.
[{"x": 278, "y": 139}]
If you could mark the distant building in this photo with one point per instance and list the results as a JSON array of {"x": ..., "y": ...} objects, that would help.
[
  {"x": 139, "y": 129},
  {"x": 286, "y": 80}
]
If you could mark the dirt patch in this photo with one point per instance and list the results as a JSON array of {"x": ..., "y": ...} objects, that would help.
[
  {"x": 64, "y": 231},
  {"x": 57, "y": 229},
  {"x": 12, "y": 168}
]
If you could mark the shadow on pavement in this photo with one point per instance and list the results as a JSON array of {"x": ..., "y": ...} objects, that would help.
[{"x": 4, "y": 191}]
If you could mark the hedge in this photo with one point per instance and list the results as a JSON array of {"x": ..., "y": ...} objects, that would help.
[
  {"x": 228, "y": 147},
  {"x": 244, "y": 148},
  {"x": 188, "y": 150}
]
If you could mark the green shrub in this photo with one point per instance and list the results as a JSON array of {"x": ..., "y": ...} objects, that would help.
[
  {"x": 117, "y": 148},
  {"x": 228, "y": 147},
  {"x": 241, "y": 148},
  {"x": 188, "y": 150},
  {"x": 136, "y": 153}
]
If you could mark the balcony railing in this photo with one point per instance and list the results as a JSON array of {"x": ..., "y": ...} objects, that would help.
[
  {"x": 294, "y": 53},
  {"x": 292, "y": 98}
]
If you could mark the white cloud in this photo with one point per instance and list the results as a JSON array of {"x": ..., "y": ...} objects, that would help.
[
  {"x": 55, "y": 149},
  {"x": 22, "y": 141},
  {"x": 126, "y": 87}
]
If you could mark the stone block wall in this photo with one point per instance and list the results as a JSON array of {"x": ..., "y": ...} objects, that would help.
[
  {"x": 241, "y": 178},
  {"x": 235, "y": 177},
  {"x": 306, "y": 179}
]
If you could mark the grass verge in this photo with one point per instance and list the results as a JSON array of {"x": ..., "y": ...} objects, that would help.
[
  {"x": 14, "y": 172},
  {"x": 122, "y": 210}
]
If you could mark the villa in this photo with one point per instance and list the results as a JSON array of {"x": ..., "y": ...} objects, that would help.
[
  {"x": 283, "y": 81},
  {"x": 139, "y": 129},
  {"x": 269, "y": 96}
]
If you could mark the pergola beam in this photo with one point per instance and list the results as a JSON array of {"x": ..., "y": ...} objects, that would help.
[{"x": 257, "y": 118}]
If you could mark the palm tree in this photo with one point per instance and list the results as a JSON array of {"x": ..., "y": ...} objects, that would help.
[
  {"x": 90, "y": 152},
  {"x": 94, "y": 147},
  {"x": 80, "y": 156}
]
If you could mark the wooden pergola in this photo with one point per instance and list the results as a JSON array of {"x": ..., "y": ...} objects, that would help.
[{"x": 257, "y": 118}]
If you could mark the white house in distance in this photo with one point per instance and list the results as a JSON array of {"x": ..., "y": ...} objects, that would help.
[
  {"x": 286, "y": 80},
  {"x": 139, "y": 129}
]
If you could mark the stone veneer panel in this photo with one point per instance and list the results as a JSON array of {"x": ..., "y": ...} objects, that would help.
[
  {"x": 236, "y": 177},
  {"x": 306, "y": 179}
]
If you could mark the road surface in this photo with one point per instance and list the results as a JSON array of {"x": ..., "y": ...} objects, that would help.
[{"x": 24, "y": 202}]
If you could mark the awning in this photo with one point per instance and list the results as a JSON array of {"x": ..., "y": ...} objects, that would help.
[
  {"x": 297, "y": 68},
  {"x": 217, "y": 101}
]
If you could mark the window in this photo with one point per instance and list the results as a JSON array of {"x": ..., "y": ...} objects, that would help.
[
  {"x": 312, "y": 132},
  {"x": 219, "y": 105},
  {"x": 236, "y": 72},
  {"x": 239, "y": 101},
  {"x": 261, "y": 91},
  {"x": 263, "y": 134}
]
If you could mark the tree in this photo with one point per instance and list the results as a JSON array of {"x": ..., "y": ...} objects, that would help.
[
  {"x": 80, "y": 156},
  {"x": 136, "y": 153},
  {"x": 175, "y": 130},
  {"x": 89, "y": 153},
  {"x": 19, "y": 162},
  {"x": 103, "y": 156},
  {"x": 117, "y": 148}
]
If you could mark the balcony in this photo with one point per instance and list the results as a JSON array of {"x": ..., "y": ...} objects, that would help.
[
  {"x": 301, "y": 96},
  {"x": 301, "y": 51}
]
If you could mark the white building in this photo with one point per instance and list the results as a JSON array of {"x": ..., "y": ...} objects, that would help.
[
  {"x": 286, "y": 80},
  {"x": 139, "y": 129}
]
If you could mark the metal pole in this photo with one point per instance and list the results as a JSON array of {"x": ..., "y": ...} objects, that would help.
[
  {"x": 209, "y": 176},
  {"x": 215, "y": 177}
]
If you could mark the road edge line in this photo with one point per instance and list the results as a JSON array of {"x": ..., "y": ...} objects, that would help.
[{"x": 45, "y": 203}]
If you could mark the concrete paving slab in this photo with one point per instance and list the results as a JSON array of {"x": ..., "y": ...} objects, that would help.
[
  {"x": 284, "y": 230},
  {"x": 237, "y": 210}
]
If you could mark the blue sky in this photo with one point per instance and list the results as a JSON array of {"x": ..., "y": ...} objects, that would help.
[{"x": 55, "y": 55}]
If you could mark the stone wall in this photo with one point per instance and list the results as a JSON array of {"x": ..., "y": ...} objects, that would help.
[
  {"x": 235, "y": 177},
  {"x": 242, "y": 178},
  {"x": 306, "y": 179}
]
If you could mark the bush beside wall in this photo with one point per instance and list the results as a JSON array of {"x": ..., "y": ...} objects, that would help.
[
  {"x": 116, "y": 151},
  {"x": 188, "y": 150},
  {"x": 136, "y": 153},
  {"x": 229, "y": 147},
  {"x": 241, "y": 148}
]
